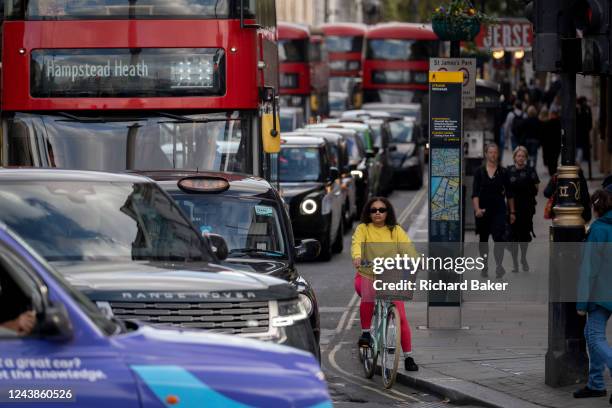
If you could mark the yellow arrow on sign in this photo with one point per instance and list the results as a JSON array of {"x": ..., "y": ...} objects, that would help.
[{"x": 445, "y": 77}]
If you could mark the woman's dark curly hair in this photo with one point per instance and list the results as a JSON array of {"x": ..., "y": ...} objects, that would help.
[
  {"x": 390, "y": 221},
  {"x": 602, "y": 202}
]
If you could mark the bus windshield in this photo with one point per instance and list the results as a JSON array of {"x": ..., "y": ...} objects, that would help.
[
  {"x": 214, "y": 141},
  {"x": 400, "y": 50},
  {"x": 343, "y": 44},
  {"x": 119, "y": 9},
  {"x": 293, "y": 50}
]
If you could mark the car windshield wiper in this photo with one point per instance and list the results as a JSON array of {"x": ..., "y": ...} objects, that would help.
[
  {"x": 187, "y": 119},
  {"x": 74, "y": 118},
  {"x": 254, "y": 251}
]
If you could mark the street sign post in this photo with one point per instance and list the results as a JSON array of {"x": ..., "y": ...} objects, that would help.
[
  {"x": 445, "y": 192},
  {"x": 465, "y": 65}
]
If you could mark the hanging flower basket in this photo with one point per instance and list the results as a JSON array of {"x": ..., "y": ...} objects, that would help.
[
  {"x": 447, "y": 29},
  {"x": 458, "y": 21}
]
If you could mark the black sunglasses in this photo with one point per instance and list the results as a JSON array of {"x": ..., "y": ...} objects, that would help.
[{"x": 381, "y": 210}]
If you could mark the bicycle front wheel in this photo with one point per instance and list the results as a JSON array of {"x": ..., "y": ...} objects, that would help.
[
  {"x": 369, "y": 355},
  {"x": 391, "y": 347}
]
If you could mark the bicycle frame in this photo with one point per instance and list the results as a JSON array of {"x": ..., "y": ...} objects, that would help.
[{"x": 379, "y": 324}]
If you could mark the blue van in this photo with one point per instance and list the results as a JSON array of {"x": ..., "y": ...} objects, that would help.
[{"x": 75, "y": 356}]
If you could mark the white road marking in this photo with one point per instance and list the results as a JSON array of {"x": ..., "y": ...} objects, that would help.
[
  {"x": 346, "y": 312},
  {"x": 415, "y": 201},
  {"x": 332, "y": 361}
]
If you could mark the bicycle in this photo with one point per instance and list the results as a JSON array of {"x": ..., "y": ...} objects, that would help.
[{"x": 385, "y": 334}]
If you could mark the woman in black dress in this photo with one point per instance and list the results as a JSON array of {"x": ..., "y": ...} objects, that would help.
[
  {"x": 524, "y": 183},
  {"x": 490, "y": 193}
]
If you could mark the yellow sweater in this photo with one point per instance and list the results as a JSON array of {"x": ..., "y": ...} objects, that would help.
[{"x": 373, "y": 236}]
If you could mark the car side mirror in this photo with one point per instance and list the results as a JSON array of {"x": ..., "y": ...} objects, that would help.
[
  {"x": 334, "y": 174},
  {"x": 218, "y": 246},
  {"x": 393, "y": 148},
  {"x": 308, "y": 250},
  {"x": 56, "y": 324}
]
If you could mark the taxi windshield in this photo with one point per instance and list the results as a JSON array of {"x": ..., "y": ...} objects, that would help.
[
  {"x": 249, "y": 226},
  {"x": 101, "y": 221},
  {"x": 401, "y": 131},
  {"x": 297, "y": 164}
]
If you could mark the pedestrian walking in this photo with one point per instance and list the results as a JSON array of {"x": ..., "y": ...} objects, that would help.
[
  {"x": 529, "y": 135},
  {"x": 512, "y": 125},
  {"x": 595, "y": 294},
  {"x": 524, "y": 183},
  {"x": 491, "y": 191},
  {"x": 551, "y": 139},
  {"x": 379, "y": 226}
]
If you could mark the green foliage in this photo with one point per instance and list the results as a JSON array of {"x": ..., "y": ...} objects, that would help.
[{"x": 420, "y": 10}]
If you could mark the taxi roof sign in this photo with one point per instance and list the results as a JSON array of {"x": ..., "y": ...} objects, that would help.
[{"x": 446, "y": 77}]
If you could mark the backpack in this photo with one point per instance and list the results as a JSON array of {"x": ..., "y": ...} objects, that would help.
[{"x": 517, "y": 124}]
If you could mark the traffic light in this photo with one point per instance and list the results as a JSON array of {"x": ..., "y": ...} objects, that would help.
[
  {"x": 571, "y": 35},
  {"x": 548, "y": 25},
  {"x": 593, "y": 19}
]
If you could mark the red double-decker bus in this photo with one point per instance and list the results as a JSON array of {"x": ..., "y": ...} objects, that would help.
[
  {"x": 304, "y": 72},
  {"x": 139, "y": 84},
  {"x": 397, "y": 62},
  {"x": 344, "y": 43}
]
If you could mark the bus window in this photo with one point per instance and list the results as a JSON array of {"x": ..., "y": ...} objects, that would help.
[
  {"x": 400, "y": 50},
  {"x": 119, "y": 9},
  {"x": 216, "y": 142},
  {"x": 335, "y": 43},
  {"x": 315, "y": 52},
  {"x": 292, "y": 50}
]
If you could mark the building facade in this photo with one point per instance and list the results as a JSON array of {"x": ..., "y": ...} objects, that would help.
[{"x": 317, "y": 12}]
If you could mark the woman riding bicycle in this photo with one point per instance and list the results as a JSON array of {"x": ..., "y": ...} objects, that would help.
[{"x": 378, "y": 226}]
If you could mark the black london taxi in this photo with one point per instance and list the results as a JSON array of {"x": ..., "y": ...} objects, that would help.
[
  {"x": 250, "y": 215},
  {"x": 309, "y": 186},
  {"x": 128, "y": 246},
  {"x": 378, "y": 170},
  {"x": 357, "y": 161},
  {"x": 407, "y": 153},
  {"x": 339, "y": 157}
]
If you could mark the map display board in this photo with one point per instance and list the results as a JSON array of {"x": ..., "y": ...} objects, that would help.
[
  {"x": 446, "y": 117},
  {"x": 445, "y": 144}
]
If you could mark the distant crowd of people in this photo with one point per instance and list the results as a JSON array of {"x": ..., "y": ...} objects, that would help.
[{"x": 532, "y": 118}]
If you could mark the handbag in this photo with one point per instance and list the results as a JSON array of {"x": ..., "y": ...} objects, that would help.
[{"x": 549, "y": 213}]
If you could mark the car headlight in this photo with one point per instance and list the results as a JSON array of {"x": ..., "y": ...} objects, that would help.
[
  {"x": 306, "y": 302},
  {"x": 289, "y": 312},
  {"x": 357, "y": 174},
  {"x": 309, "y": 206}
]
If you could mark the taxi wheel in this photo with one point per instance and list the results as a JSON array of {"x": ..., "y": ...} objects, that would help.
[
  {"x": 338, "y": 245},
  {"x": 326, "y": 253}
]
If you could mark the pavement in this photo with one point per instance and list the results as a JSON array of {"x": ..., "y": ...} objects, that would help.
[{"x": 497, "y": 358}]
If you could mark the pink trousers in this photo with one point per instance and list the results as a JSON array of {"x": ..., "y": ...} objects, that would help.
[{"x": 365, "y": 289}]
